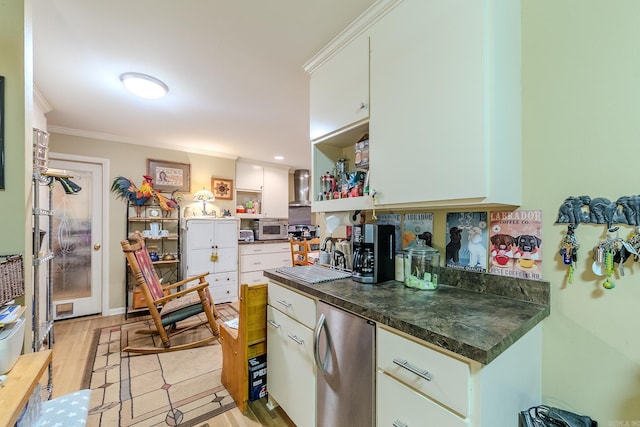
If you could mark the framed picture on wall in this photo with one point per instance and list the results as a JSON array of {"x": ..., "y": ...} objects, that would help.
[
  {"x": 169, "y": 176},
  {"x": 222, "y": 188},
  {"x": 1, "y": 132}
]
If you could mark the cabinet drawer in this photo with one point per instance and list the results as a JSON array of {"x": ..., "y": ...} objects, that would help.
[
  {"x": 449, "y": 381},
  {"x": 265, "y": 261},
  {"x": 399, "y": 405},
  {"x": 298, "y": 307},
  {"x": 264, "y": 248},
  {"x": 226, "y": 293},
  {"x": 223, "y": 287},
  {"x": 253, "y": 277}
]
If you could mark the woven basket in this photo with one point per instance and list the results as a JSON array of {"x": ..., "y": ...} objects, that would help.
[{"x": 11, "y": 278}]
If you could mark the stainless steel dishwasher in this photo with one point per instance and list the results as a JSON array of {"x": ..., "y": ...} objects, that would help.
[{"x": 345, "y": 358}]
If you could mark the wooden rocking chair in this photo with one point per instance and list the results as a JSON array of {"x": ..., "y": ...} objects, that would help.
[{"x": 168, "y": 305}]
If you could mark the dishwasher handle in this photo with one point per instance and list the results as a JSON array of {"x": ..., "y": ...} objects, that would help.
[{"x": 322, "y": 321}]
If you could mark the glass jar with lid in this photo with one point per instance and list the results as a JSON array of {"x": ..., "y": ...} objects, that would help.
[{"x": 421, "y": 266}]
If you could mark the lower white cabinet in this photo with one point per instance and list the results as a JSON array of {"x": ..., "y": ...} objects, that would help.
[
  {"x": 419, "y": 385},
  {"x": 211, "y": 246},
  {"x": 292, "y": 379},
  {"x": 257, "y": 257},
  {"x": 399, "y": 405}
]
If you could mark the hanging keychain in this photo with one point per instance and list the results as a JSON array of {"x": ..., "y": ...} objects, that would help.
[
  {"x": 608, "y": 265},
  {"x": 634, "y": 242},
  {"x": 569, "y": 251}
]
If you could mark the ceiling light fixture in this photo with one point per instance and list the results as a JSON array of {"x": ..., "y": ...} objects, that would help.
[
  {"x": 144, "y": 86},
  {"x": 278, "y": 157}
]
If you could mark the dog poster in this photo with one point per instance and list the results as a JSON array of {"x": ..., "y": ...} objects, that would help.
[
  {"x": 467, "y": 237},
  {"x": 396, "y": 221},
  {"x": 516, "y": 244},
  {"x": 417, "y": 226}
]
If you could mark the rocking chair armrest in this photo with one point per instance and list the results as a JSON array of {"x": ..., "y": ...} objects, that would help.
[
  {"x": 181, "y": 293},
  {"x": 184, "y": 281}
]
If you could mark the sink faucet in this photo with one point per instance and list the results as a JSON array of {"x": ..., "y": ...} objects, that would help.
[{"x": 327, "y": 240}]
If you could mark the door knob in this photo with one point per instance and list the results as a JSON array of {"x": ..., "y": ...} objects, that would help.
[{"x": 97, "y": 247}]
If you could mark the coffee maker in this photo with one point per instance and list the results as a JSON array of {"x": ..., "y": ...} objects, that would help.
[{"x": 373, "y": 253}]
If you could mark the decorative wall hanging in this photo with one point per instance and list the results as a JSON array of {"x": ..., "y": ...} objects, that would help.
[
  {"x": 516, "y": 244},
  {"x": 600, "y": 210},
  {"x": 169, "y": 176},
  {"x": 222, "y": 188}
]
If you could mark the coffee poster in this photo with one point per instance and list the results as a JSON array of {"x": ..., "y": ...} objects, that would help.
[
  {"x": 516, "y": 244},
  {"x": 417, "y": 226},
  {"x": 466, "y": 241}
]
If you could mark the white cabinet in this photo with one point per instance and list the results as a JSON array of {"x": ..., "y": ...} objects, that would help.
[
  {"x": 433, "y": 374},
  {"x": 211, "y": 246},
  {"x": 445, "y": 123},
  {"x": 417, "y": 381},
  {"x": 291, "y": 380},
  {"x": 340, "y": 89},
  {"x": 268, "y": 185},
  {"x": 445, "y": 118},
  {"x": 257, "y": 257},
  {"x": 249, "y": 176},
  {"x": 275, "y": 194},
  {"x": 399, "y": 405}
]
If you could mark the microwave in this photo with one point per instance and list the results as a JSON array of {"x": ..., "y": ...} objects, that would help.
[{"x": 270, "y": 229}]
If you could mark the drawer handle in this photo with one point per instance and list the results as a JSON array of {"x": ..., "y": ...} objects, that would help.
[
  {"x": 409, "y": 367},
  {"x": 283, "y": 302},
  {"x": 257, "y": 263},
  {"x": 274, "y": 324},
  {"x": 398, "y": 423},
  {"x": 296, "y": 339}
]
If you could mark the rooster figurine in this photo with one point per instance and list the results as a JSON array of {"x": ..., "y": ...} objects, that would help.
[
  {"x": 124, "y": 189},
  {"x": 168, "y": 204}
]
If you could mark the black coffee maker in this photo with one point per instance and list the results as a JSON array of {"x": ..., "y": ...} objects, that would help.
[{"x": 373, "y": 253}]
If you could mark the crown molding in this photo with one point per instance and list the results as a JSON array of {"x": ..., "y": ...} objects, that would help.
[
  {"x": 369, "y": 17},
  {"x": 127, "y": 140},
  {"x": 40, "y": 100}
]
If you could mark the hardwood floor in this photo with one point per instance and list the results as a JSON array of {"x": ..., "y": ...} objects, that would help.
[{"x": 71, "y": 348}]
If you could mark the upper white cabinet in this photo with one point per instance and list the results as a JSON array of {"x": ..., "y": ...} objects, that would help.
[
  {"x": 267, "y": 187},
  {"x": 249, "y": 176},
  {"x": 340, "y": 89},
  {"x": 275, "y": 195},
  {"x": 444, "y": 121},
  {"x": 445, "y": 124}
]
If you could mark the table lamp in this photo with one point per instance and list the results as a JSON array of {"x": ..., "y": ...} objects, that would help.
[{"x": 204, "y": 196}]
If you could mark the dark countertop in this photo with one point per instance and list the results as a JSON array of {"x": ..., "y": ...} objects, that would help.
[{"x": 475, "y": 315}]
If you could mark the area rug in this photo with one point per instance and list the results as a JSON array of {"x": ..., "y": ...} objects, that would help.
[{"x": 179, "y": 388}]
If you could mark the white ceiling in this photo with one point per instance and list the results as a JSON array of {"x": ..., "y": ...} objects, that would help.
[{"x": 233, "y": 67}]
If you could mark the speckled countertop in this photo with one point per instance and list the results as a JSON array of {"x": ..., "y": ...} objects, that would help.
[{"x": 475, "y": 315}]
